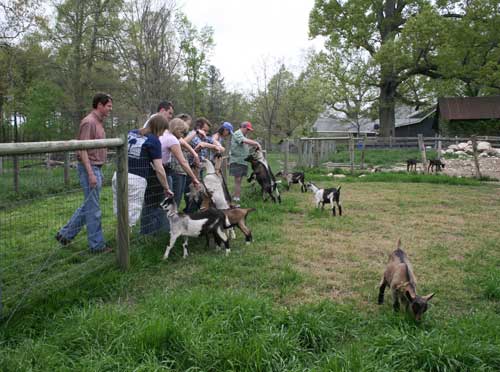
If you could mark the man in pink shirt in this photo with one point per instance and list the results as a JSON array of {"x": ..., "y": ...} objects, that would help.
[{"x": 90, "y": 173}]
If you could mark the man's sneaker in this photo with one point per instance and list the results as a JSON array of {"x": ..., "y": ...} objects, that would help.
[
  {"x": 106, "y": 249},
  {"x": 62, "y": 240}
]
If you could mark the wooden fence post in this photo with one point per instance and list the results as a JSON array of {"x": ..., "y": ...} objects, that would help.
[
  {"x": 287, "y": 149},
  {"x": 123, "y": 237},
  {"x": 301, "y": 149},
  {"x": 476, "y": 160},
  {"x": 316, "y": 150},
  {"x": 1, "y": 165},
  {"x": 66, "y": 168},
  {"x": 16, "y": 173},
  {"x": 439, "y": 147},
  {"x": 351, "y": 152},
  {"x": 363, "y": 152},
  {"x": 421, "y": 146}
]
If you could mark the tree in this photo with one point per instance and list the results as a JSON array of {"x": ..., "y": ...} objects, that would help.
[
  {"x": 270, "y": 90},
  {"x": 150, "y": 52},
  {"x": 406, "y": 38},
  {"x": 81, "y": 36},
  {"x": 346, "y": 84},
  {"x": 196, "y": 47},
  {"x": 16, "y": 18}
]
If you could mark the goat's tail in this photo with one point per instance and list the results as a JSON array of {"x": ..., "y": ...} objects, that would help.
[{"x": 337, "y": 194}]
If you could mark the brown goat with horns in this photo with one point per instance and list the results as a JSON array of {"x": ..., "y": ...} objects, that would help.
[{"x": 399, "y": 277}]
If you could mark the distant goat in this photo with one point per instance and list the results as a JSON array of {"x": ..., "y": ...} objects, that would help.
[
  {"x": 261, "y": 171},
  {"x": 295, "y": 177},
  {"x": 210, "y": 221},
  {"x": 324, "y": 196},
  {"x": 411, "y": 164},
  {"x": 399, "y": 277},
  {"x": 435, "y": 165}
]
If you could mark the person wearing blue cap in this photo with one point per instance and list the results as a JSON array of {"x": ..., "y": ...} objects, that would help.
[{"x": 224, "y": 131}]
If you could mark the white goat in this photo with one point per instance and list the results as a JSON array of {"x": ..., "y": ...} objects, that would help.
[
  {"x": 323, "y": 196},
  {"x": 209, "y": 221}
]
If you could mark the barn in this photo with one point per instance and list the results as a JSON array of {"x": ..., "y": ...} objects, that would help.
[{"x": 464, "y": 116}]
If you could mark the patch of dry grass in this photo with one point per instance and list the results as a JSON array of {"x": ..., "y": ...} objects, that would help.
[{"x": 440, "y": 226}]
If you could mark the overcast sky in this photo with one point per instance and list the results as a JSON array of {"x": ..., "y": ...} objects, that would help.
[{"x": 246, "y": 32}]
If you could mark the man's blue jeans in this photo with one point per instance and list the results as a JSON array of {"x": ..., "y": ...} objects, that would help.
[{"x": 89, "y": 213}]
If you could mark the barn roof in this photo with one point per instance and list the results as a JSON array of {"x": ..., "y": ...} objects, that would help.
[{"x": 469, "y": 108}]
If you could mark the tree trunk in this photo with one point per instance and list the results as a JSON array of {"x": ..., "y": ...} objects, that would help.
[{"x": 387, "y": 107}]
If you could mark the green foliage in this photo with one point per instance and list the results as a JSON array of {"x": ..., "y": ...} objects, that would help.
[
  {"x": 43, "y": 105},
  {"x": 466, "y": 128}
]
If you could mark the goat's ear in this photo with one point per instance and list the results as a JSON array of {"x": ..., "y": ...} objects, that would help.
[
  {"x": 399, "y": 244},
  {"x": 409, "y": 296},
  {"x": 428, "y": 297}
]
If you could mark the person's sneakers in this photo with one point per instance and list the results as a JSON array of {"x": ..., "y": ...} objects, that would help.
[
  {"x": 106, "y": 249},
  {"x": 62, "y": 240}
]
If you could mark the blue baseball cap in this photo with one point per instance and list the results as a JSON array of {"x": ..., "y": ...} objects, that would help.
[{"x": 227, "y": 125}]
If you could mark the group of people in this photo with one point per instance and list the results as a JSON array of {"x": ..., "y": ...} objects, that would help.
[{"x": 163, "y": 161}]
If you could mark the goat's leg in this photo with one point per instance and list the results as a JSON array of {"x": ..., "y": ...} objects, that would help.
[
  {"x": 340, "y": 208},
  {"x": 185, "y": 247},
  {"x": 395, "y": 298},
  {"x": 246, "y": 231},
  {"x": 232, "y": 233},
  {"x": 333, "y": 206},
  {"x": 222, "y": 235},
  {"x": 173, "y": 238},
  {"x": 381, "y": 291}
]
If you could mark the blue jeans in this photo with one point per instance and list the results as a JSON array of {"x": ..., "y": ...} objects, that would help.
[
  {"x": 178, "y": 187},
  {"x": 153, "y": 217},
  {"x": 89, "y": 213}
]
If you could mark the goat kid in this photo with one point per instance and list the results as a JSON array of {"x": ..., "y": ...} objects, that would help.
[
  {"x": 261, "y": 171},
  {"x": 210, "y": 221},
  {"x": 295, "y": 177},
  {"x": 324, "y": 196},
  {"x": 411, "y": 164},
  {"x": 399, "y": 277},
  {"x": 435, "y": 165},
  {"x": 236, "y": 217}
]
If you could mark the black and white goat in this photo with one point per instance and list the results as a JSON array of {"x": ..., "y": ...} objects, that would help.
[
  {"x": 295, "y": 177},
  {"x": 210, "y": 221},
  {"x": 261, "y": 171},
  {"x": 324, "y": 196}
]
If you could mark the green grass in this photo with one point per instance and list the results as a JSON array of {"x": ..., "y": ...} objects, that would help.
[{"x": 302, "y": 297}]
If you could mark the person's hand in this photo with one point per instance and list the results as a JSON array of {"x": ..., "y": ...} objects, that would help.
[
  {"x": 257, "y": 146},
  {"x": 199, "y": 146},
  {"x": 168, "y": 193},
  {"x": 92, "y": 180},
  {"x": 220, "y": 149},
  {"x": 201, "y": 133},
  {"x": 196, "y": 184}
]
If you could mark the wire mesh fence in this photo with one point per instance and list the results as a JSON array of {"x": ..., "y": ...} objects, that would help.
[{"x": 40, "y": 192}]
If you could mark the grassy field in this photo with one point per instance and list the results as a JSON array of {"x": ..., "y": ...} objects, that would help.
[{"x": 302, "y": 297}]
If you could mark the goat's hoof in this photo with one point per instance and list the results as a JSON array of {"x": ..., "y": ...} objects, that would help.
[
  {"x": 248, "y": 243},
  {"x": 227, "y": 252},
  {"x": 165, "y": 258}
]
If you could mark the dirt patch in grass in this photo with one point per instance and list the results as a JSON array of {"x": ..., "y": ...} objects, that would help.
[{"x": 343, "y": 257}]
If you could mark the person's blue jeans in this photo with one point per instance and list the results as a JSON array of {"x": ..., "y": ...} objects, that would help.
[
  {"x": 153, "y": 217},
  {"x": 178, "y": 186},
  {"x": 89, "y": 213}
]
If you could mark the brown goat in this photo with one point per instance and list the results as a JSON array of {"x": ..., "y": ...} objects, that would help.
[
  {"x": 399, "y": 277},
  {"x": 236, "y": 216}
]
